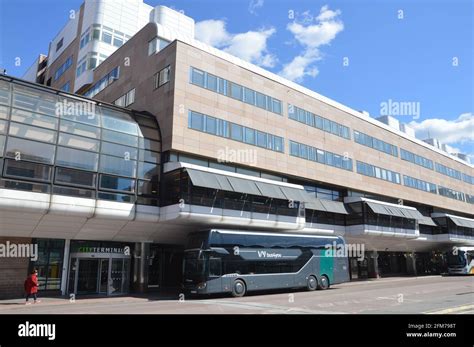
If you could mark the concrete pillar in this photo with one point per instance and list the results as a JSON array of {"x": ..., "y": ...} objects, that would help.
[
  {"x": 411, "y": 263},
  {"x": 65, "y": 270},
  {"x": 373, "y": 265},
  {"x": 140, "y": 267}
]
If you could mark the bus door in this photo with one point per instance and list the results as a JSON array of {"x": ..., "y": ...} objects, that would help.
[{"x": 215, "y": 273}]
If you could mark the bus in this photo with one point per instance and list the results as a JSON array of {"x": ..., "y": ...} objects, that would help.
[
  {"x": 461, "y": 261},
  {"x": 238, "y": 262}
]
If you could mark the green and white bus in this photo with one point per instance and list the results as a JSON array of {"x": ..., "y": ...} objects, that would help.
[
  {"x": 461, "y": 261},
  {"x": 237, "y": 262}
]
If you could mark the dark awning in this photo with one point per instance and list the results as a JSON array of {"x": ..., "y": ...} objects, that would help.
[
  {"x": 204, "y": 179},
  {"x": 270, "y": 190},
  {"x": 427, "y": 221},
  {"x": 314, "y": 204},
  {"x": 295, "y": 194},
  {"x": 241, "y": 185},
  {"x": 462, "y": 222},
  {"x": 334, "y": 206},
  {"x": 396, "y": 211}
]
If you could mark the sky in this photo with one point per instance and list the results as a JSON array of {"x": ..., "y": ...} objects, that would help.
[{"x": 412, "y": 59}]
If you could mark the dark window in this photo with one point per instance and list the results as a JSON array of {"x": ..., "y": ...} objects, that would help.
[
  {"x": 25, "y": 170},
  {"x": 117, "y": 183},
  {"x": 30, "y": 150},
  {"x": 75, "y": 177},
  {"x": 75, "y": 158}
]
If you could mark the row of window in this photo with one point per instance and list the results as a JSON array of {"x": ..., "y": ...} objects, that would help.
[
  {"x": 416, "y": 159},
  {"x": 419, "y": 184},
  {"x": 103, "y": 83},
  {"x": 377, "y": 172},
  {"x": 162, "y": 77},
  {"x": 374, "y": 143},
  {"x": 156, "y": 45},
  {"x": 223, "y": 128},
  {"x": 63, "y": 68},
  {"x": 318, "y": 155},
  {"x": 319, "y": 122},
  {"x": 450, "y": 193},
  {"x": 235, "y": 91},
  {"x": 447, "y": 171},
  {"x": 127, "y": 99},
  {"x": 104, "y": 34},
  {"x": 89, "y": 62},
  {"x": 467, "y": 178}
]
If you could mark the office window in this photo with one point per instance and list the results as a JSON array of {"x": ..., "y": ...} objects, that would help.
[
  {"x": 249, "y": 96},
  {"x": 80, "y": 142},
  {"x": 121, "y": 138},
  {"x": 118, "y": 122},
  {"x": 107, "y": 37},
  {"x": 29, "y": 150},
  {"x": 276, "y": 106},
  {"x": 120, "y": 151},
  {"x": 323, "y": 157},
  {"x": 249, "y": 136},
  {"x": 374, "y": 143},
  {"x": 79, "y": 129},
  {"x": 75, "y": 177},
  {"x": 278, "y": 144},
  {"x": 212, "y": 82},
  {"x": 261, "y": 139},
  {"x": 26, "y": 170},
  {"x": 148, "y": 170},
  {"x": 33, "y": 100},
  {"x": 236, "y": 132},
  {"x": 261, "y": 100},
  {"x": 197, "y": 77},
  {"x": 117, "y": 166},
  {"x": 236, "y": 91},
  {"x": 59, "y": 44},
  {"x": 118, "y": 41},
  {"x": 77, "y": 159},
  {"x": 211, "y": 125},
  {"x": 196, "y": 121},
  {"x": 66, "y": 87},
  {"x": 108, "y": 182},
  {"x": 162, "y": 77}
]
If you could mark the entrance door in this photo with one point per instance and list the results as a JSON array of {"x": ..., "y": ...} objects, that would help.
[
  {"x": 88, "y": 275},
  {"x": 104, "y": 276}
]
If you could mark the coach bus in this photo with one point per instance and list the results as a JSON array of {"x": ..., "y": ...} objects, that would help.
[
  {"x": 461, "y": 261},
  {"x": 237, "y": 262}
]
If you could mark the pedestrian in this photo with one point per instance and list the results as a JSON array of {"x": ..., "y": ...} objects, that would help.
[{"x": 31, "y": 287}]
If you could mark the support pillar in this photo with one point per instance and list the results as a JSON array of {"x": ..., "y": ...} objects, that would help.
[
  {"x": 140, "y": 267},
  {"x": 411, "y": 263},
  {"x": 65, "y": 270},
  {"x": 373, "y": 266}
]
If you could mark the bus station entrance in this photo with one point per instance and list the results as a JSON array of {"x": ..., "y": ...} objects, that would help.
[{"x": 99, "y": 270}]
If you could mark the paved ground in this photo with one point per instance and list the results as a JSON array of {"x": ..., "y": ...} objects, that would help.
[{"x": 433, "y": 294}]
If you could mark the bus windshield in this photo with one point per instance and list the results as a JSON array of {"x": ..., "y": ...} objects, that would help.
[
  {"x": 194, "y": 266},
  {"x": 458, "y": 259}
]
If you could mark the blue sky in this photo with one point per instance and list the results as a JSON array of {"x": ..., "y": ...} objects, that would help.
[{"x": 415, "y": 51}]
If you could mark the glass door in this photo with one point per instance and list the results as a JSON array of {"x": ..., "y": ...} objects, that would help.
[
  {"x": 104, "y": 276},
  {"x": 87, "y": 276}
]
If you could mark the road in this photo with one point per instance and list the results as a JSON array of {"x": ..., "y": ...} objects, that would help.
[{"x": 430, "y": 295}]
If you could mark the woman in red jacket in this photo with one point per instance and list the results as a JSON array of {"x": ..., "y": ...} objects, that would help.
[{"x": 31, "y": 286}]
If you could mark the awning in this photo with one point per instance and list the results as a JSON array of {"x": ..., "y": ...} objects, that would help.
[
  {"x": 427, "y": 221},
  {"x": 462, "y": 222},
  {"x": 314, "y": 204},
  {"x": 390, "y": 210},
  {"x": 334, "y": 206},
  {"x": 270, "y": 190},
  {"x": 295, "y": 194},
  {"x": 204, "y": 179},
  {"x": 241, "y": 185}
]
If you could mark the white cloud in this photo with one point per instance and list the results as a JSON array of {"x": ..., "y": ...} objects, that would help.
[
  {"x": 457, "y": 131},
  {"x": 212, "y": 32},
  {"x": 311, "y": 33},
  {"x": 250, "y": 46},
  {"x": 254, "y": 5}
]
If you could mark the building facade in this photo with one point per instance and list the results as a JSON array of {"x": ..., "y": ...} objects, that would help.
[{"x": 200, "y": 139}]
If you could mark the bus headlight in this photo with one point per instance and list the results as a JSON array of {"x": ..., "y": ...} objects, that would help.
[{"x": 201, "y": 285}]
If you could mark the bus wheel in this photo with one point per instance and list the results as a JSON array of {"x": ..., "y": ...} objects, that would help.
[
  {"x": 312, "y": 283},
  {"x": 238, "y": 289},
  {"x": 323, "y": 283}
]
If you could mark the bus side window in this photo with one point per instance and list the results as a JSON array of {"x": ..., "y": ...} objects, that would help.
[{"x": 215, "y": 267}]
